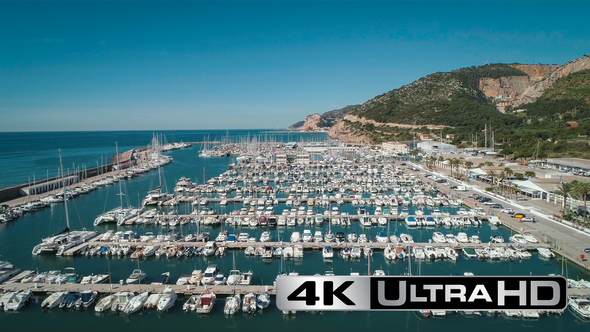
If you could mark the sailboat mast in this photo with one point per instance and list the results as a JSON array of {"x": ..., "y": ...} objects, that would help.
[
  {"x": 119, "y": 175},
  {"x": 61, "y": 167}
]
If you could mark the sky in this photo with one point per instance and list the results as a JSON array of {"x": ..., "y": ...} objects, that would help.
[{"x": 132, "y": 65}]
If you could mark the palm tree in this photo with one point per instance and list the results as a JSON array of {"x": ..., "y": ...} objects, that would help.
[
  {"x": 515, "y": 188},
  {"x": 509, "y": 174},
  {"x": 489, "y": 163},
  {"x": 492, "y": 175},
  {"x": 530, "y": 174},
  {"x": 455, "y": 162},
  {"x": 468, "y": 164},
  {"x": 564, "y": 189},
  {"x": 582, "y": 189},
  {"x": 502, "y": 176}
]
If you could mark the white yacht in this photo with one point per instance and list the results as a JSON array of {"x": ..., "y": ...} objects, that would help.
[
  {"x": 438, "y": 237},
  {"x": 167, "y": 299},
  {"x": 210, "y": 273},
  {"x": 105, "y": 303},
  {"x": 328, "y": 252},
  {"x": 136, "y": 303},
  {"x": 136, "y": 277},
  {"x": 580, "y": 307},
  {"x": 295, "y": 237},
  {"x": 307, "y": 237},
  {"x": 121, "y": 300},
  {"x": 210, "y": 248},
  {"x": 54, "y": 300},
  {"x": 18, "y": 300}
]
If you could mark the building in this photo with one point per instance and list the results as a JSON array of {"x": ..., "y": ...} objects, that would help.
[
  {"x": 395, "y": 147},
  {"x": 573, "y": 165},
  {"x": 450, "y": 136},
  {"x": 434, "y": 146},
  {"x": 293, "y": 158},
  {"x": 425, "y": 137}
]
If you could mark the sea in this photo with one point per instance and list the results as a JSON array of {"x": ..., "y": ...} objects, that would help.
[{"x": 26, "y": 154}]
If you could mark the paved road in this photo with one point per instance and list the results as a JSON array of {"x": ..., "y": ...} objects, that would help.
[{"x": 570, "y": 240}]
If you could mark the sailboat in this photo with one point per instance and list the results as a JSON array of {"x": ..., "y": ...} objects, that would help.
[
  {"x": 156, "y": 196},
  {"x": 119, "y": 215},
  {"x": 66, "y": 239}
]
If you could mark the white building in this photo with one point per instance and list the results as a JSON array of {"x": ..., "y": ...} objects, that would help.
[
  {"x": 389, "y": 147},
  {"x": 434, "y": 146}
]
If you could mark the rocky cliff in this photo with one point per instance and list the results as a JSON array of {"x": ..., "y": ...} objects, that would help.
[
  {"x": 326, "y": 120},
  {"x": 312, "y": 122},
  {"x": 537, "y": 88}
]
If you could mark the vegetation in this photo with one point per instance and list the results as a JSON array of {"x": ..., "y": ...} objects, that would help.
[{"x": 453, "y": 100}]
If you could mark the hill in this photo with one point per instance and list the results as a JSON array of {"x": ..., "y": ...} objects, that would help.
[{"x": 325, "y": 120}]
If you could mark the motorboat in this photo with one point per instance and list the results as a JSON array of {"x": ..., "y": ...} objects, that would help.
[
  {"x": 265, "y": 236},
  {"x": 530, "y": 238},
  {"x": 86, "y": 299},
  {"x": 462, "y": 237},
  {"x": 545, "y": 252},
  {"x": 232, "y": 304},
  {"x": 136, "y": 277},
  {"x": 406, "y": 238},
  {"x": 121, "y": 300},
  {"x": 105, "y": 303},
  {"x": 161, "y": 279},
  {"x": 205, "y": 302},
  {"x": 382, "y": 237},
  {"x": 580, "y": 307},
  {"x": 234, "y": 278},
  {"x": 69, "y": 301},
  {"x": 307, "y": 237},
  {"x": 54, "y": 300},
  {"x": 249, "y": 303},
  {"x": 355, "y": 252},
  {"x": 328, "y": 252},
  {"x": 352, "y": 237},
  {"x": 136, "y": 303},
  {"x": 295, "y": 237},
  {"x": 518, "y": 239},
  {"x": 210, "y": 273},
  {"x": 438, "y": 237},
  {"x": 18, "y": 300},
  {"x": 196, "y": 277},
  {"x": 263, "y": 300},
  {"x": 210, "y": 248},
  {"x": 167, "y": 299}
]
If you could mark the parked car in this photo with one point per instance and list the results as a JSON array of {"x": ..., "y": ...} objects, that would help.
[
  {"x": 496, "y": 206},
  {"x": 518, "y": 215},
  {"x": 507, "y": 210},
  {"x": 528, "y": 219},
  {"x": 587, "y": 250}
]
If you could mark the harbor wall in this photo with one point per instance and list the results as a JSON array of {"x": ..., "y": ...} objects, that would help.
[{"x": 7, "y": 194}]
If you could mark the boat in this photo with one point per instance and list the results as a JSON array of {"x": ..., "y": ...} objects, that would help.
[
  {"x": 167, "y": 299},
  {"x": 69, "y": 301},
  {"x": 161, "y": 279},
  {"x": 234, "y": 278},
  {"x": 328, "y": 252},
  {"x": 87, "y": 298},
  {"x": 18, "y": 300},
  {"x": 205, "y": 302},
  {"x": 545, "y": 252},
  {"x": 105, "y": 303},
  {"x": 136, "y": 277},
  {"x": 121, "y": 300},
  {"x": 263, "y": 300},
  {"x": 295, "y": 237},
  {"x": 136, "y": 303},
  {"x": 580, "y": 307},
  {"x": 210, "y": 273},
  {"x": 232, "y": 304},
  {"x": 438, "y": 237},
  {"x": 152, "y": 301},
  {"x": 249, "y": 303},
  {"x": 220, "y": 279},
  {"x": 54, "y": 300},
  {"x": 210, "y": 248},
  {"x": 195, "y": 277}
]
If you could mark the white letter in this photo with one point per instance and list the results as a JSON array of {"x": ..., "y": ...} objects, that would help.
[
  {"x": 460, "y": 295},
  {"x": 535, "y": 293},
  {"x": 433, "y": 289},
  {"x": 381, "y": 294},
  {"x": 484, "y": 294},
  {"x": 520, "y": 292},
  {"x": 414, "y": 298}
]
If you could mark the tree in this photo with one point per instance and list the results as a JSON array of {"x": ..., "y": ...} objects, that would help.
[
  {"x": 502, "y": 176},
  {"x": 489, "y": 163},
  {"x": 519, "y": 176},
  {"x": 564, "y": 189},
  {"x": 468, "y": 164},
  {"x": 414, "y": 153},
  {"x": 509, "y": 174},
  {"x": 492, "y": 176},
  {"x": 582, "y": 189},
  {"x": 516, "y": 190},
  {"x": 530, "y": 174}
]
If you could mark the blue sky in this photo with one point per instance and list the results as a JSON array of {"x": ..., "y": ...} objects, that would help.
[{"x": 239, "y": 65}]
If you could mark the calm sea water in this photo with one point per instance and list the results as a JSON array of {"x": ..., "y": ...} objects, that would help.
[{"x": 18, "y": 238}]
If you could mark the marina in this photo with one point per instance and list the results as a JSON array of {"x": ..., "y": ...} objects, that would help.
[{"x": 226, "y": 217}]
